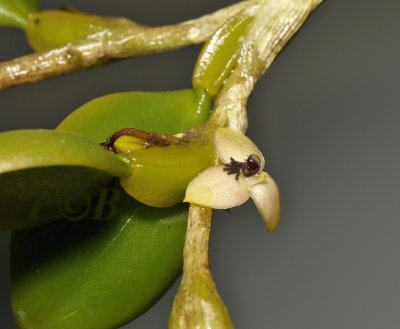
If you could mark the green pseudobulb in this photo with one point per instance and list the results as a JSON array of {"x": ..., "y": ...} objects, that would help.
[
  {"x": 100, "y": 274},
  {"x": 160, "y": 175},
  {"x": 54, "y": 28}
]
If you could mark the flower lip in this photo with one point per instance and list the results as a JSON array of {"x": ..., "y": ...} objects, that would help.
[{"x": 249, "y": 167}]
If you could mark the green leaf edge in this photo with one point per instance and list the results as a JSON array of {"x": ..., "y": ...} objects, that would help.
[
  {"x": 31, "y": 148},
  {"x": 16, "y": 12}
]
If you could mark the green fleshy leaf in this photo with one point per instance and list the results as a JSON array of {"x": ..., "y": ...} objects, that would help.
[
  {"x": 159, "y": 175},
  {"x": 164, "y": 112},
  {"x": 16, "y": 12},
  {"x": 96, "y": 274},
  {"x": 102, "y": 274},
  {"x": 219, "y": 54},
  {"x": 45, "y": 172}
]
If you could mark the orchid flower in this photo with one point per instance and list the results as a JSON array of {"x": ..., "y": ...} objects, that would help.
[{"x": 238, "y": 178}]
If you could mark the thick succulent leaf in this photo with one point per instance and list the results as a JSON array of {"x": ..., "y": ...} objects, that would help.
[
  {"x": 163, "y": 112},
  {"x": 96, "y": 274},
  {"x": 219, "y": 54},
  {"x": 16, "y": 12},
  {"x": 42, "y": 171},
  {"x": 101, "y": 274},
  {"x": 23, "y": 149},
  {"x": 160, "y": 175}
]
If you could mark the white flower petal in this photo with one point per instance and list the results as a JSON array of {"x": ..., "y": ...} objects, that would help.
[
  {"x": 231, "y": 144},
  {"x": 261, "y": 176},
  {"x": 265, "y": 195},
  {"x": 216, "y": 189}
]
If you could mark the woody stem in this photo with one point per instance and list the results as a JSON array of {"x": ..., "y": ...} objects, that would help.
[{"x": 135, "y": 40}]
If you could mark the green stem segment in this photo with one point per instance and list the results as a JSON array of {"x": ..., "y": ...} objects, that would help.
[
  {"x": 195, "y": 252},
  {"x": 135, "y": 40},
  {"x": 197, "y": 303}
]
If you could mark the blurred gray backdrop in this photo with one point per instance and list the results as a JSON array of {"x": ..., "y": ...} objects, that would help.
[{"x": 326, "y": 117}]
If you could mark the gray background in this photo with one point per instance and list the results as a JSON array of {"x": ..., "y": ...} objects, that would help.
[{"x": 326, "y": 118}]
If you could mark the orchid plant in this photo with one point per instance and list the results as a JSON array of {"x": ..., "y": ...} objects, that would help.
[{"x": 143, "y": 154}]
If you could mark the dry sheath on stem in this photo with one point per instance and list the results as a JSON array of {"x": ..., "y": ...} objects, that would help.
[
  {"x": 275, "y": 24},
  {"x": 197, "y": 303}
]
